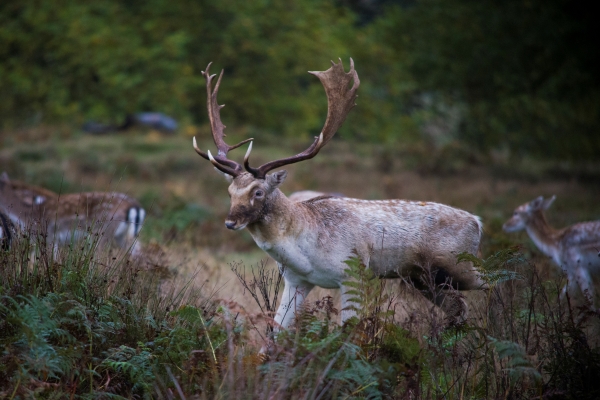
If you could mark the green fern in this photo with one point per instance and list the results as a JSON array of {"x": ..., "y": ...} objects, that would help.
[
  {"x": 518, "y": 365},
  {"x": 368, "y": 295},
  {"x": 136, "y": 365},
  {"x": 496, "y": 268}
]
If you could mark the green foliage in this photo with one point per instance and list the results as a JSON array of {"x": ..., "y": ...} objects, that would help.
[
  {"x": 71, "y": 58},
  {"x": 493, "y": 75},
  {"x": 105, "y": 59},
  {"x": 517, "y": 363},
  {"x": 65, "y": 326},
  {"x": 89, "y": 327},
  {"x": 521, "y": 74},
  {"x": 367, "y": 291},
  {"x": 134, "y": 365},
  {"x": 387, "y": 345},
  {"x": 494, "y": 269}
]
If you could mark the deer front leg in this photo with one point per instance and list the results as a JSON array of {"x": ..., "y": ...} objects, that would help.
[
  {"x": 294, "y": 293},
  {"x": 584, "y": 280},
  {"x": 571, "y": 284}
]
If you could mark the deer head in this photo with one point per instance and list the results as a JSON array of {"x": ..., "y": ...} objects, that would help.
[
  {"x": 253, "y": 190},
  {"x": 15, "y": 208},
  {"x": 526, "y": 213}
]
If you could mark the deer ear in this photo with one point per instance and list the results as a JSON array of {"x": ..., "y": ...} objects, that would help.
[
  {"x": 536, "y": 204},
  {"x": 548, "y": 202},
  {"x": 228, "y": 177},
  {"x": 276, "y": 178}
]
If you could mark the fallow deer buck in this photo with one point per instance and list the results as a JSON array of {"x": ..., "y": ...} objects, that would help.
[
  {"x": 575, "y": 249},
  {"x": 115, "y": 217},
  {"x": 312, "y": 239}
]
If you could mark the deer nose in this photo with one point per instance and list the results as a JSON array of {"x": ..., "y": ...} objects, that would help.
[{"x": 230, "y": 224}]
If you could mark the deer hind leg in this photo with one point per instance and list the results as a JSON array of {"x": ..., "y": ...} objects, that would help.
[
  {"x": 452, "y": 303},
  {"x": 570, "y": 287},
  {"x": 135, "y": 217},
  {"x": 126, "y": 232},
  {"x": 442, "y": 289},
  {"x": 467, "y": 277}
]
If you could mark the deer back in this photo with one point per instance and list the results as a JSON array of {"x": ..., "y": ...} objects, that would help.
[{"x": 31, "y": 194}]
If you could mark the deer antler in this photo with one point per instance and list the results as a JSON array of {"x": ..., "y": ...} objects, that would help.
[
  {"x": 340, "y": 100},
  {"x": 220, "y": 161}
]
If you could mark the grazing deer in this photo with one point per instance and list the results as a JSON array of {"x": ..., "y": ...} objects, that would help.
[
  {"x": 312, "y": 239},
  {"x": 303, "y": 195},
  {"x": 575, "y": 249},
  {"x": 114, "y": 216}
]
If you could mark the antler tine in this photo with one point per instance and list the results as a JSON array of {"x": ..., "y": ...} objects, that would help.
[
  {"x": 340, "y": 100},
  {"x": 224, "y": 168},
  {"x": 217, "y": 128}
]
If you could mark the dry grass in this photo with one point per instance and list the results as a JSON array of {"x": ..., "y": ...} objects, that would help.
[{"x": 166, "y": 174}]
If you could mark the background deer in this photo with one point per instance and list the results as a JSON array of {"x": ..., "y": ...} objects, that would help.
[
  {"x": 115, "y": 217},
  {"x": 312, "y": 239},
  {"x": 576, "y": 248}
]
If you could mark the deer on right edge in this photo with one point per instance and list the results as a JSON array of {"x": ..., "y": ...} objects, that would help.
[
  {"x": 312, "y": 239},
  {"x": 575, "y": 249}
]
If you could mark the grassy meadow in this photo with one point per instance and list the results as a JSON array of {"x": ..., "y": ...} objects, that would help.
[{"x": 182, "y": 325}]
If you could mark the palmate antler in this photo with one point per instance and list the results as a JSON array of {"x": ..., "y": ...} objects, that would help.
[{"x": 340, "y": 100}]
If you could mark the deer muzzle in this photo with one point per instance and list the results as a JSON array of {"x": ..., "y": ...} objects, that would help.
[{"x": 233, "y": 225}]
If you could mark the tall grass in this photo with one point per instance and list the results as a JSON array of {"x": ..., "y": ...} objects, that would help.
[{"x": 100, "y": 324}]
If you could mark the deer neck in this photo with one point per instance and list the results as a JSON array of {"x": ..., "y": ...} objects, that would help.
[
  {"x": 278, "y": 221},
  {"x": 543, "y": 235}
]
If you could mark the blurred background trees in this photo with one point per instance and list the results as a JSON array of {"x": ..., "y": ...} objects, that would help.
[{"x": 515, "y": 76}]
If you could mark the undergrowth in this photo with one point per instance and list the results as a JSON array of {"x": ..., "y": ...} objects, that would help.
[{"x": 86, "y": 323}]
